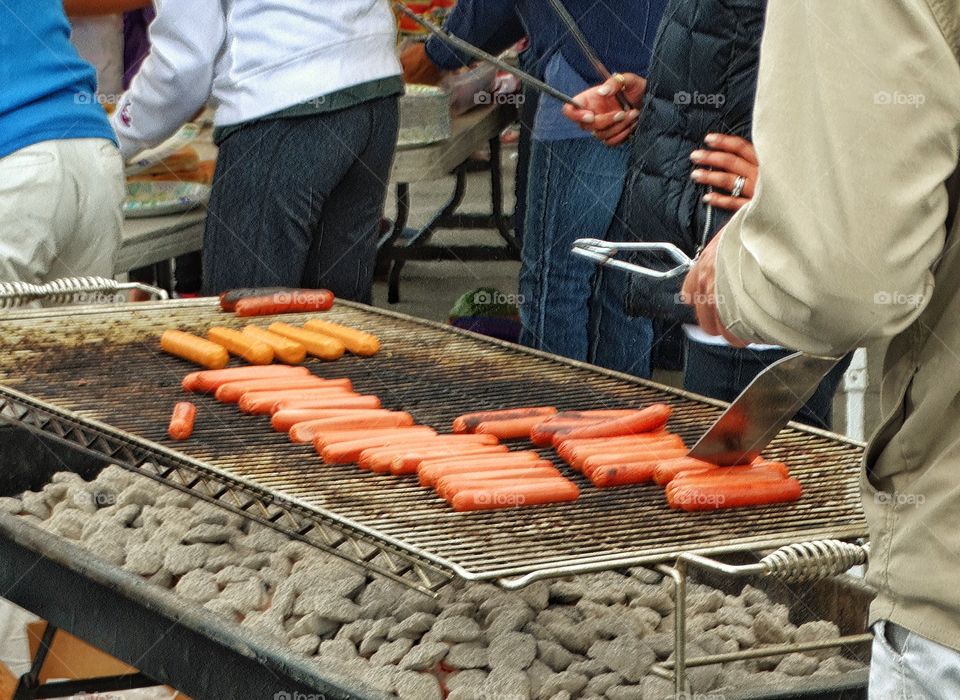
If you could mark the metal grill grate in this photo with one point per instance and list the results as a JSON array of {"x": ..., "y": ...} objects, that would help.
[{"x": 105, "y": 367}]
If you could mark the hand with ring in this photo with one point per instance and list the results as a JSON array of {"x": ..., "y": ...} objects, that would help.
[
  {"x": 602, "y": 115},
  {"x": 728, "y": 164}
]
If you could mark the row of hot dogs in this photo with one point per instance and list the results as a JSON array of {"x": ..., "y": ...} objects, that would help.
[{"x": 471, "y": 468}]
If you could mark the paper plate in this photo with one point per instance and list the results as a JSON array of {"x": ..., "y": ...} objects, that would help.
[
  {"x": 185, "y": 135},
  {"x": 161, "y": 198}
]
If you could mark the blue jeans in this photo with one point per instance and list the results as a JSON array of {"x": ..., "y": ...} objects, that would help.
[
  {"x": 296, "y": 202},
  {"x": 906, "y": 666},
  {"x": 567, "y": 307}
]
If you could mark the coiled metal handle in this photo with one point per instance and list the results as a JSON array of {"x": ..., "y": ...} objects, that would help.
[
  {"x": 810, "y": 561},
  {"x": 71, "y": 290}
]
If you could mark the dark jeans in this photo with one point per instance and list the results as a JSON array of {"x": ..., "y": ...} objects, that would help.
[
  {"x": 297, "y": 202},
  {"x": 722, "y": 372},
  {"x": 573, "y": 189}
]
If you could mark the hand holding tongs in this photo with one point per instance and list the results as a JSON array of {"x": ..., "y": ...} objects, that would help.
[
  {"x": 482, "y": 55},
  {"x": 605, "y": 253}
]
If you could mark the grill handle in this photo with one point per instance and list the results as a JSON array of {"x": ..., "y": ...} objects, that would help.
[
  {"x": 793, "y": 563},
  {"x": 605, "y": 253},
  {"x": 70, "y": 290}
]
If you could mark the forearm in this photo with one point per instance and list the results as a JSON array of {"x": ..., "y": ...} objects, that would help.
[
  {"x": 492, "y": 25},
  {"x": 176, "y": 78},
  {"x": 837, "y": 245}
]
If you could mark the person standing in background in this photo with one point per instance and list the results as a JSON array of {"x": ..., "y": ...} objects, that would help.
[
  {"x": 692, "y": 165},
  {"x": 567, "y": 306},
  {"x": 61, "y": 175},
  {"x": 306, "y": 123}
]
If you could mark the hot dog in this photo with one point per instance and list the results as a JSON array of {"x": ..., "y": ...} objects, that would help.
[
  {"x": 468, "y": 422},
  {"x": 285, "y": 302},
  {"x": 236, "y": 343},
  {"x": 194, "y": 349},
  {"x": 566, "y": 421},
  {"x": 283, "y": 420},
  {"x": 658, "y": 454},
  {"x": 537, "y": 493},
  {"x": 182, "y": 420},
  {"x": 286, "y": 350},
  {"x": 334, "y": 437},
  {"x": 191, "y": 382},
  {"x": 346, "y": 452},
  {"x": 578, "y": 456},
  {"x": 211, "y": 380},
  {"x": 669, "y": 468},
  {"x": 349, "y": 401},
  {"x": 736, "y": 492},
  {"x": 380, "y": 459},
  {"x": 429, "y": 470},
  {"x": 232, "y": 391},
  {"x": 260, "y": 402},
  {"x": 644, "y": 421},
  {"x": 574, "y": 450},
  {"x": 511, "y": 429},
  {"x": 229, "y": 299},
  {"x": 309, "y": 430},
  {"x": 448, "y": 486},
  {"x": 357, "y": 342},
  {"x": 317, "y": 344},
  {"x": 410, "y": 463}
]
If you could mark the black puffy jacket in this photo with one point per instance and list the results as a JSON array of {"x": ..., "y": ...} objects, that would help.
[{"x": 702, "y": 80}]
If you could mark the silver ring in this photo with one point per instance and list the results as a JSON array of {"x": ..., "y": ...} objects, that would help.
[{"x": 738, "y": 186}]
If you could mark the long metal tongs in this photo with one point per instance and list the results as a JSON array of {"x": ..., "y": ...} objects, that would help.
[
  {"x": 768, "y": 403},
  {"x": 605, "y": 253},
  {"x": 482, "y": 55}
]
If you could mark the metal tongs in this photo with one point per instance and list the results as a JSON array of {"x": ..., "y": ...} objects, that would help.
[
  {"x": 605, "y": 253},
  {"x": 768, "y": 403},
  {"x": 481, "y": 55}
]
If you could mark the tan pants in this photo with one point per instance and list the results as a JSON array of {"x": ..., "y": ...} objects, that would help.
[{"x": 60, "y": 210}]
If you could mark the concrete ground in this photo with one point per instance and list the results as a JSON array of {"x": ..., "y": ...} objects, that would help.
[{"x": 429, "y": 289}]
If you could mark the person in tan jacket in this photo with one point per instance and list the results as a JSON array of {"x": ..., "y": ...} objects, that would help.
[{"x": 852, "y": 236}]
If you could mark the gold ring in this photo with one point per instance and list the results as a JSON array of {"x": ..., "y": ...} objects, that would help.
[{"x": 620, "y": 79}]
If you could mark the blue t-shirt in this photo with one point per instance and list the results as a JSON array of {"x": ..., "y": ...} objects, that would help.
[{"x": 47, "y": 92}]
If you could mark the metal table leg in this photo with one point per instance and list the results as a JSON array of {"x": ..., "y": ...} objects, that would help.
[{"x": 30, "y": 688}]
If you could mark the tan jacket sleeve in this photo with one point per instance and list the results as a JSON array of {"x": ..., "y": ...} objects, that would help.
[{"x": 856, "y": 130}]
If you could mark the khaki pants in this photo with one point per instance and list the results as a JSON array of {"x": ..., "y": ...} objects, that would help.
[
  {"x": 60, "y": 210},
  {"x": 60, "y": 216}
]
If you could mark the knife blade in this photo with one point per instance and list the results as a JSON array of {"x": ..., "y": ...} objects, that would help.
[{"x": 761, "y": 410}]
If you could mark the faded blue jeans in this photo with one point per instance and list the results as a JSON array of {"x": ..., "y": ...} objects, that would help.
[
  {"x": 567, "y": 307},
  {"x": 906, "y": 666},
  {"x": 296, "y": 202}
]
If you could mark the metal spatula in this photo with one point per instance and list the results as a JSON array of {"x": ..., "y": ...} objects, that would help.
[
  {"x": 770, "y": 401},
  {"x": 761, "y": 411}
]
